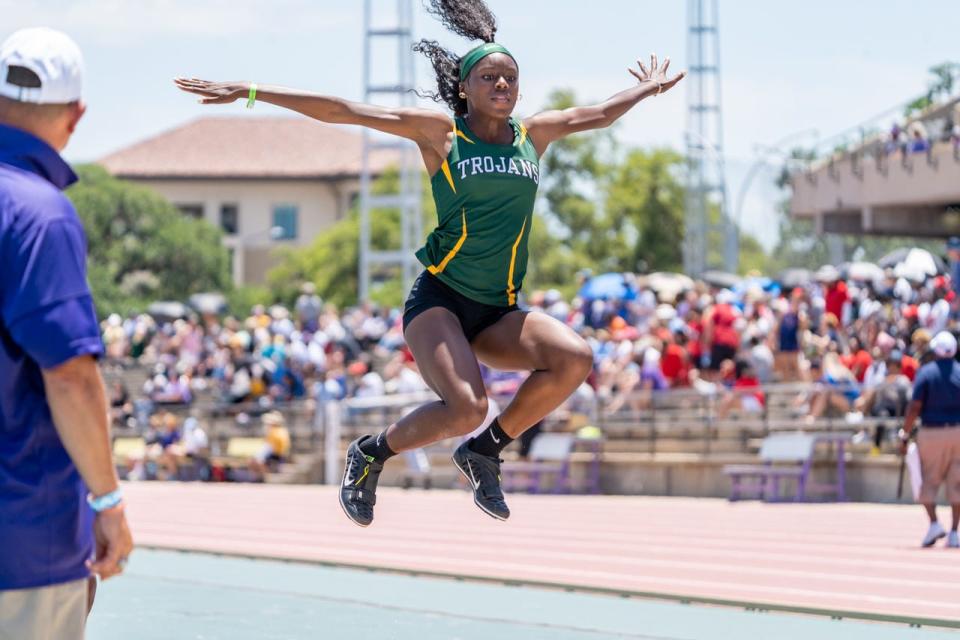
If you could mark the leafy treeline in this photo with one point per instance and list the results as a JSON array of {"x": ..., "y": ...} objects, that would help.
[
  {"x": 141, "y": 248},
  {"x": 601, "y": 208}
]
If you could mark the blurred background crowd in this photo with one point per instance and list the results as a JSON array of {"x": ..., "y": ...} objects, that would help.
[{"x": 849, "y": 338}]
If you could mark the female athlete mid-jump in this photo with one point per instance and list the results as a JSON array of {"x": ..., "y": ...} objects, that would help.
[{"x": 484, "y": 168}]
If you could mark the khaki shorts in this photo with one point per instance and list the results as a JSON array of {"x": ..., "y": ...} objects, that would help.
[
  {"x": 787, "y": 365},
  {"x": 57, "y": 612},
  {"x": 939, "y": 463}
]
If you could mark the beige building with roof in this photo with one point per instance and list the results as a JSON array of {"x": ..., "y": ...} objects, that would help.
[{"x": 267, "y": 182}]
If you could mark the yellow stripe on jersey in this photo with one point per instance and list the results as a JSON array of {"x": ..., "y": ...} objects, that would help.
[
  {"x": 463, "y": 238},
  {"x": 445, "y": 167},
  {"x": 511, "y": 292},
  {"x": 523, "y": 133},
  {"x": 461, "y": 134}
]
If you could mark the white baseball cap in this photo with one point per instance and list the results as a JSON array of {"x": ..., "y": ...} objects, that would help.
[
  {"x": 52, "y": 56},
  {"x": 944, "y": 345}
]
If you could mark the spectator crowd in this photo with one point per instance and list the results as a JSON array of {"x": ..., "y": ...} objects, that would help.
[{"x": 850, "y": 339}]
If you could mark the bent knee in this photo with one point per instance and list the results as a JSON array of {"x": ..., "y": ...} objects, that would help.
[
  {"x": 468, "y": 413},
  {"x": 578, "y": 360}
]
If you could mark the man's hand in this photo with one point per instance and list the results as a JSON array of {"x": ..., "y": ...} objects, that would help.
[
  {"x": 904, "y": 441},
  {"x": 114, "y": 543}
]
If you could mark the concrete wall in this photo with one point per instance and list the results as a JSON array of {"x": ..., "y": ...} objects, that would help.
[
  {"x": 885, "y": 194},
  {"x": 694, "y": 476},
  {"x": 868, "y": 479}
]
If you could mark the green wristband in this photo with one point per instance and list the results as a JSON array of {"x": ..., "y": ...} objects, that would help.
[{"x": 253, "y": 95}]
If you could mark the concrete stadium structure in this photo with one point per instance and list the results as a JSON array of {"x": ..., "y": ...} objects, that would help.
[{"x": 877, "y": 188}]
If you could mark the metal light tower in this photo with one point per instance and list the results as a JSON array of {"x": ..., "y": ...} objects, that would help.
[
  {"x": 706, "y": 183},
  {"x": 399, "y": 90}
]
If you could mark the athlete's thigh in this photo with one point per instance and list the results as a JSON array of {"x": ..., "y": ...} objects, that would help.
[
  {"x": 525, "y": 341},
  {"x": 443, "y": 355}
]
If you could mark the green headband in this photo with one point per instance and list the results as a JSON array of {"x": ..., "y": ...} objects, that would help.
[{"x": 475, "y": 55}]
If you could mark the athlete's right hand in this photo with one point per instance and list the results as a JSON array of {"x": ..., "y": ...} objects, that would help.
[
  {"x": 657, "y": 73},
  {"x": 214, "y": 92},
  {"x": 113, "y": 542}
]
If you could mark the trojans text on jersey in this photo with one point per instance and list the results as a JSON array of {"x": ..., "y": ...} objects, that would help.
[{"x": 488, "y": 164}]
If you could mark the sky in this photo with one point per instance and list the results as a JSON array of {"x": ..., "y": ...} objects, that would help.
[{"x": 800, "y": 70}]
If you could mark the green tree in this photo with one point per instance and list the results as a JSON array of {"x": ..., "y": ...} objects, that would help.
[
  {"x": 753, "y": 257},
  {"x": 600, "y": 209},
  {"x": 644, "y": 204},
  {"x": 141, "y": 248},
  {"x": 799, "y": 246},
  {"x": 332, "y": 260},
  {"x": 940, "y": 87},
  {"x": 574, "y": 174},
  {"x": 612, "y": 211}
]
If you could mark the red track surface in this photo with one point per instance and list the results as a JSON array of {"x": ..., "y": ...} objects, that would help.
[{"x": 853, "y": 557}]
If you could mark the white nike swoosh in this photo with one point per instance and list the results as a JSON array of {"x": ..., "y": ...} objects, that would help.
[
  {"x": 495, "y": 438},
  {"x": 473, "y": 480}
]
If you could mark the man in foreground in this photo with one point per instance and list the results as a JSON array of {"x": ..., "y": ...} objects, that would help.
[
  {"x": 936, "y": 401},
  {"x": 61, "y": 512}
]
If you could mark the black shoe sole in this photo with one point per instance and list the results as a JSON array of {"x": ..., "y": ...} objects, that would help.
[
  {"x": 475, "y": 501},
  {"x": 343, "y": 506}
]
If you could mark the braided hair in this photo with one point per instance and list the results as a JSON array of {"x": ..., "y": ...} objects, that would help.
[{"x": 471, "y": 19}]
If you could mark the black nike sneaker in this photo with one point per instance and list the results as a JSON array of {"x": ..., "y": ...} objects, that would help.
[
  {"x": 358, "y": 489},
  {"x": 483, "y": 474}
]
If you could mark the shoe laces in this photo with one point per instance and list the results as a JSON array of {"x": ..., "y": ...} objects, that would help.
[
  {"x": 359, "y": 463},
  {"x": 488, "y": 472}
]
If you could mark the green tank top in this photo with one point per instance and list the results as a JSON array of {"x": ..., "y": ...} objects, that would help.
[{"x": 484, "y": 195}]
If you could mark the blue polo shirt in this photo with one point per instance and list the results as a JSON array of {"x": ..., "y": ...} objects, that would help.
[
  {"x": 955, "y": 276},
  {"x": 46, "y": 318},
  {"x": 937, "y": 386}
]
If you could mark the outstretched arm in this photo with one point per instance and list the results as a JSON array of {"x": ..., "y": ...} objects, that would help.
[
  {"x": 429, "y": 129},
  {"x": 549, "y": 126}
]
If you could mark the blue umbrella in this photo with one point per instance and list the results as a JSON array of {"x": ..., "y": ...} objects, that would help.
[
  {"x": 760, "y": 281},
  {"x": 611, "y": 286}
]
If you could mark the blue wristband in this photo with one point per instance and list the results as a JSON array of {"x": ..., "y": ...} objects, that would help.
[{"x": 106, "y": 501}]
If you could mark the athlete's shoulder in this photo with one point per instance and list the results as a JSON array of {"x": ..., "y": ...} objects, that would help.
[
  {"x": 524, "y": 139},
  {"x": 462, "y": 132}
]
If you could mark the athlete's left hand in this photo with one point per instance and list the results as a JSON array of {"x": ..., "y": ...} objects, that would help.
[{"x": 656, "y": 73}]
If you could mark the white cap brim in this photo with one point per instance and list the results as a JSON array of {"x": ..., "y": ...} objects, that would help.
[{"x": 53, "y": 56}]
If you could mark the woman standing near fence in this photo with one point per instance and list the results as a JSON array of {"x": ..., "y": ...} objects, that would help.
[{"x": 484, "y": 168}]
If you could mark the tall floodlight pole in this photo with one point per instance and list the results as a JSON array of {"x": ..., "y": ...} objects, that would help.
[
  {"x": 400, "y": 92},
  {"x": 706, "y": 183}
]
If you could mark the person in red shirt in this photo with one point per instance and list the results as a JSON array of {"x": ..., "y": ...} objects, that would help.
[
  {"x": 858, "y": 360},
  {"x": 746, "y": 394},
  {"x": 909, "y": 366},
  {"x": 836, "y": 297},
  {"x": 675, "y": 364},
  {"x": 719, "y": 334}
]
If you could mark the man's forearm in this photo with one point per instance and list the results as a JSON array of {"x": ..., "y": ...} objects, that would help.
[
  {"x": 77, "y": 399},
  {"x": 913, "y": 412}
]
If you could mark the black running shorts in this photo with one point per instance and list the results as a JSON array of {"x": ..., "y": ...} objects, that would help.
[{"x": 429, "y": 292}]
